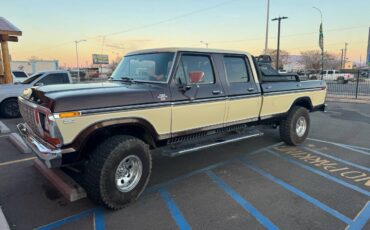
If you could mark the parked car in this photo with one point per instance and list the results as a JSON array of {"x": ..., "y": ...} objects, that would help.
[
  {"x": 19, "y": 76},
  {"x": 171, "y": 101},
  {"x": 334, "y": 75},
  {"x": 10, "y": 92}
]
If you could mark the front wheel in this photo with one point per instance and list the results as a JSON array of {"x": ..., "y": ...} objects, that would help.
[
  {"x": 117, "y": 171},
  {"x": 294, "y": 129},
  {"x": 9, "y": 108}
]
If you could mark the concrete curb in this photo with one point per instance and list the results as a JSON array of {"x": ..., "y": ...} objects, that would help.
[
  {"x": 3, "y": 128},
  {"x": 348, "y": 100},
  {"x": 62, "y": 182},
  {"x": 18, "y": 142},
  {"x": 3, "y": 223}
]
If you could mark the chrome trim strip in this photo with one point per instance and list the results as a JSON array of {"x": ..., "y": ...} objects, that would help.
[
  {"x": 292, "y": 91},
  {"x": 219, "y": 143},
  {"x": 199, "y": 101},
  {"x": 159, "y": 104},
  {"x": 244, "y": 96},
  {"x": 122, "y": 108}
]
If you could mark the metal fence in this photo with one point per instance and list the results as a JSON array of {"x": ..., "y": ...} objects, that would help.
[{"x": 357, "y": 87}]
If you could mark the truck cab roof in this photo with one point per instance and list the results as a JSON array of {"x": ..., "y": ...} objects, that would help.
[{"x": 187, "y": 49}]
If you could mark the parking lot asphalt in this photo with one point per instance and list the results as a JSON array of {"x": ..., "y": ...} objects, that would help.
[{"x": 253, "y": 184}]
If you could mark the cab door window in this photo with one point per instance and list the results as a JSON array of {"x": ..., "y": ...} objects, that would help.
[{"x": 190, "y": 64}]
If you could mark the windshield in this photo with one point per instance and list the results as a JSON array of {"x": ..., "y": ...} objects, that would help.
[
  {"x": 154, "y": 67},
  {"x": 19, "y": 74},
  {"x": 31, "y": 79},
  {"x": 267, "y": 69}
]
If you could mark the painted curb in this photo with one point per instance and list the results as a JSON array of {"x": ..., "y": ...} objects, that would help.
[
  {"x": 18, "y": 142},
  {"x": 3, "y": 128},
  {"x": 3, "y": 223},
  {"x": 62, "y": 182}
]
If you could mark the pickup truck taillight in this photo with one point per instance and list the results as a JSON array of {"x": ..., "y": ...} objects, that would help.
[{"x": 47, "y": 126}]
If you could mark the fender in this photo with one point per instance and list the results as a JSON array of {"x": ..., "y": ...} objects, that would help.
[{"x": 79, "y": 142}]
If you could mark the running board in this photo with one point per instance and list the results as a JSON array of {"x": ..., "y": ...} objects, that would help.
[{"x": 187, "y": 147}]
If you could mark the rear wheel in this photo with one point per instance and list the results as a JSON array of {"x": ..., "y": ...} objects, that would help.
[
  {"x": 9, "y": 108},
  {"x": 118, "y": 171},
  {"x": 294, "y": 129}
]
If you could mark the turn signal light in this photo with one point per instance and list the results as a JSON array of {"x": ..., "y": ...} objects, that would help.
[{"x": 69, "y": 114}]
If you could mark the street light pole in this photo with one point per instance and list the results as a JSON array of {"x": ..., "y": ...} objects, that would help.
[
  {"x": 267, "y": 26},
  {"x": 278, "y": 40},
  {"x": 78, "y": 67},
  {"x": 204, "y": 43},
  {"x": 322, "y": 48}
]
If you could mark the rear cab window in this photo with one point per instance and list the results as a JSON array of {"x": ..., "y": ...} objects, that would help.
[{"x": 236, "y": 69}]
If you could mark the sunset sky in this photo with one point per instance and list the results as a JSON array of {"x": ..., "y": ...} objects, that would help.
[{"x": 112, "y": 27}]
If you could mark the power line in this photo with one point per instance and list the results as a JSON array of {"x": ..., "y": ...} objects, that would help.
[{"x": 144, "y": 26}]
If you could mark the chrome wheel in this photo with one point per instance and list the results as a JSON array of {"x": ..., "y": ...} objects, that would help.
[
  {"x": 301, "y": 126},
  {"x": 128, "y": 173}
]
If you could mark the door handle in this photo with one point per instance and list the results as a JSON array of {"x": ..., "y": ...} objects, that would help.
[
  {"x": 215, "y": 92},
  {"x": 268, "y": 87},
  {"x": 251, "y": 89}
]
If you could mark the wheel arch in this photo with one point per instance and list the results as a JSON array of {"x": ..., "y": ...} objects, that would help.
[
  {"x": 93, "y": 135},
  {"x": 303, "y": 102}
]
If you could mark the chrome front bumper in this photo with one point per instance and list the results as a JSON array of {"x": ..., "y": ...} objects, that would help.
[{"x": 51, "y": 156}]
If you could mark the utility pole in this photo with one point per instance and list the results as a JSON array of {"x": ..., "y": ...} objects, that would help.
[
  {"x": 278, "y": 40},
  {"x": 345, "y": 54},
  {"x": 78, "y": 67},
  {"x": 267, "y": 27},
  {"x": 341, "y": 59}
]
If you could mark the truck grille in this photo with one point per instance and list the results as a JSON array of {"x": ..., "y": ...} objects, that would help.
[{"x": 28, "y": 114}]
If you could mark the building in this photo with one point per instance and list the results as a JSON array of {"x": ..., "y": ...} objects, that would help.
[{"x": 34, "y": 66}]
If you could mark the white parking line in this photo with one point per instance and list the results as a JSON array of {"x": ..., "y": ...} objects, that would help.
[
  {"x": 355, "y": 148},
  {"x": 3, "y": 223},
  {"x": 17, "y": 161}
]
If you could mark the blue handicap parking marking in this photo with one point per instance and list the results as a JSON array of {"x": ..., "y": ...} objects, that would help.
[
  {"x": 338, "y": 159},
  {"x": 298, "y": 192},
  {"x": 174, "y": 210},
  {"x": 316, "y": 171},
  {"x": 362, "y": 218},
  {"x": 97, "y": 213},
  {"x": 242, "y": 202}
]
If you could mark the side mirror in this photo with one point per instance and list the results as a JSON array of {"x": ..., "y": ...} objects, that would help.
[
  {"x": 39, "y": 84},
  {"x": 196, "y": 76}
]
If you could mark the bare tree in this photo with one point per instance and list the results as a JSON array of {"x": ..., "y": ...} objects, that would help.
[
  {"x": 283, "y": 57},
  {"x": 311, "y": 59}
]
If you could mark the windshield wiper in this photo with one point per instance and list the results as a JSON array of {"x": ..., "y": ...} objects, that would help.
[{"x": 128, "y": 79}]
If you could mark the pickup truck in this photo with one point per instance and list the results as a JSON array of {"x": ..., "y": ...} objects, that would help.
[
  {"x": 10, "y": 92},
  {"x": 334, "y": 75},
  {"x": 171, "y": 101}
]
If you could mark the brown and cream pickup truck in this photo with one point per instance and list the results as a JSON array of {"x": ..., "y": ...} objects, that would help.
[{"x": 170, "y": 100}]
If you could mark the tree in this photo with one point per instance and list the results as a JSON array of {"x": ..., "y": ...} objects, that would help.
[
  {"x": 311, "y": 59},
  {"x": 283, "y": 57}
]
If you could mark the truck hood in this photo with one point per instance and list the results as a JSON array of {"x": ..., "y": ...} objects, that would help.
[{"x": 76, "y": 97}]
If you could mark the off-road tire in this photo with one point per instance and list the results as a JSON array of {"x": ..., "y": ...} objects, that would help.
[
  {"x": 99, "y": 171},
  {"x": 287, "y": 128},
  {"x": 9, "y": 108}
]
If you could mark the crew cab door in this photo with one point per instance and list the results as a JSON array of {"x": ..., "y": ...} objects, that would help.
[
  {"x": 244, "y": 96},
  {"x": 198, "y": 99}
]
